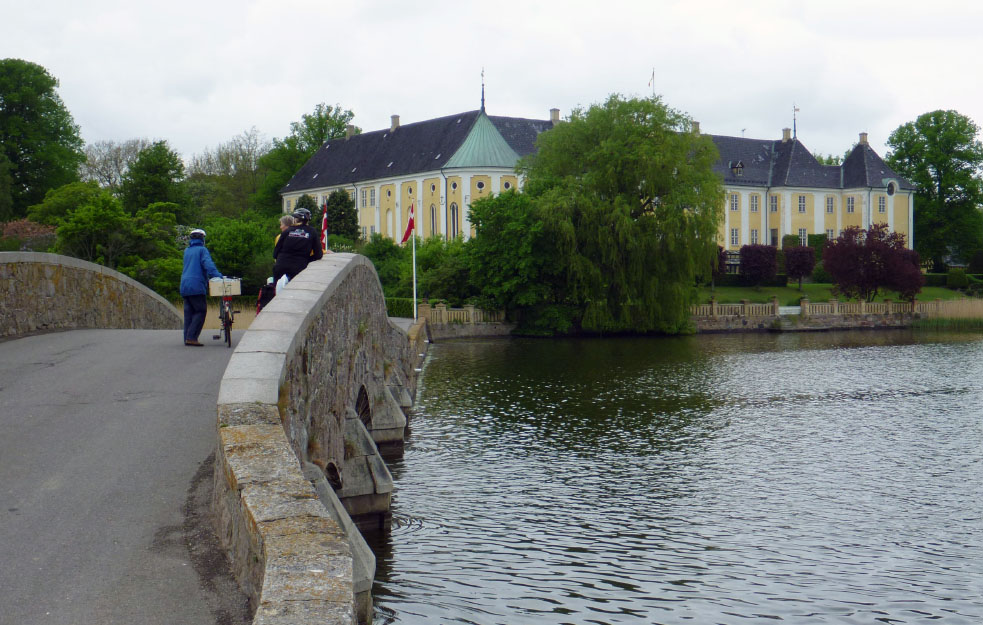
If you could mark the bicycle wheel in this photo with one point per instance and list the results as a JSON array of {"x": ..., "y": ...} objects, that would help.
[{"x": 227, "y": 323}]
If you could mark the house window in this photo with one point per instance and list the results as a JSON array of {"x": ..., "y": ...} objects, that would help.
[
  {"x": 363, "y": 232},
  {"x": 829, "y": 204},
  {"x": 803, "y": 237},
  {"x": 480, "y": 185},
  {"x": 433, "y": 219},
  {"x": 849, "y": 204},
  {"x": 829, "y": 234},
  {"x": 288, "y": 205},
  {"x": 754, "y": 237},
  {"x": 372, "y": 196},
  {"x": 881, "y": 204},
  {"x": 802, "y": 203},
  {"x": 734, "y": 202},
  {"x": 773, "y": 203},
  {"x": 735, "y": 238},
  {"x": 774, "y": 236},
  {"x": 754, "y": 203},
  {"x": 453, "y": 186},
  {"x": 453, "y": 231},
  {"x": 433, "y": 187},
  {"x": 365, "y": 197},
  {"x": 508, "y": 185},
  {"x": 371, "y": 230}
]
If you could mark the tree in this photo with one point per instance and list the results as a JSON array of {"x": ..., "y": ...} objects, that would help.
[
  {"x": 243, "y": 248},
  {"x": 99, "y": 231},
  {"x": 631, "y": 207},
  {"x": 861, "y": 262},
  {"x": 107, "y": 162},
  {"x": 799, "y": 262},
  {"x": 6, "y": 189},
  {"x": 759, "y": 263},
  {"x": 156, "y": 176},
  {"x": 388, "y": 258},
  {"x": 289, "y": 154},
  {"x": 939, "y": 152},
  {"x": 38, "y": 137},
  {"x": 308, "y": 202},
  {"x": 58, "y": 203},
  {"x": 231, "y": 173},
  {"x": 342, "y": 216}
]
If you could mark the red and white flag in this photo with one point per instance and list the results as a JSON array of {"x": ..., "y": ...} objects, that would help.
[
  {"x": 409, "y": 227},
  {"x": 324, "y": 228}
]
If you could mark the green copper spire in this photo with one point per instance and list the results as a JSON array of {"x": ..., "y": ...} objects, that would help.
[{"x": 483, "y": 147}]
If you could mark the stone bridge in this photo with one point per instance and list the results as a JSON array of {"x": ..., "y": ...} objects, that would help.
[{"x": 311, "y": 393}]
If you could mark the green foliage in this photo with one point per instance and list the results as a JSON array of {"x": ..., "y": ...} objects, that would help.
[
  {"x": 342, "y": 216},
  {"x": 98, "y": 231},
  {"x": 387, "y": 258},
  {"x": 976, "y": 262},
  {"x": 242, "y": 248},
  {"x": 629, "y": 207},
  {"x": 222, "y": 181},
  {"x": 791, "y": 240},
  {"x": 157, "y": 175},
  {"x": 289, "y": 154},
  {"x": 957, "y": 279},
  {"x": 399, "y": 307},
  {"x": 820, "y": 275},
  {"x": 308, "y": 202},
  {"x": 163, "y": 275},
  {"x": 59, "y": 202},
  {"x": 443, "y": 270},
  {"x": 338, "y": 243},
  {"x": 940, "y": 153},
  {"x": 511, "y": 257},
  {"x": 936, "y": 279},
  {"x": 817, "y": 242},
  {"x": 39, "y": 139}
]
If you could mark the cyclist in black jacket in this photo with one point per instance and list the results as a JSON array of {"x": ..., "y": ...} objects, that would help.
[{"x": 297, "y": 246}]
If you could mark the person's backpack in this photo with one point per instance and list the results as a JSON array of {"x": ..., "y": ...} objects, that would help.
[{"x": 266, "y": 293}]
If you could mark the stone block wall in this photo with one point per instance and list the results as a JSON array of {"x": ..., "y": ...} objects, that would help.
[
  {"x": 43, "y": 292},
  {"x": 320, "y": 354}
]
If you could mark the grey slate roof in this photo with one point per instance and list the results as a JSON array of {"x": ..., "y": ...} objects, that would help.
[
  {"x": 410, "y": 149},
  {"x": 775, "y": 163},
  {"x": 428, "y": 146}
]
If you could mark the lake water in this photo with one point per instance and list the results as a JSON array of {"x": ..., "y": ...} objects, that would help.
[{"x": 804, "y": 478}]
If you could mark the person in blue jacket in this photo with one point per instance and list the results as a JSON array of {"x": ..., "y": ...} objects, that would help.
[{"x": 198, "y": 268}]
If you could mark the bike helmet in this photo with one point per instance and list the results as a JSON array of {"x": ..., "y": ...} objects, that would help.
[
  {"x": 302, "y": 214},
  {"x": 197, "y": 233}
]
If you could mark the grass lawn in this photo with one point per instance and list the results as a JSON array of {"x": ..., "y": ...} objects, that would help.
[{"x": 790, "y": 295}]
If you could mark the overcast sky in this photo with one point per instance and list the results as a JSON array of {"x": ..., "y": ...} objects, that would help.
[{"x": 198, "y": 73}]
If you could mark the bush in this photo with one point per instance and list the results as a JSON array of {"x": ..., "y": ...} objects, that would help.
[
  {"x": 791, "y": 240},
  {"x": 976, "y": 262},
  {"x": 399, "y": 307},
  {"x": 799, "y": 262},
  {"x": 820, "y": 275},
  {"x": 956, "y": 279},
  {"x": 935, "y": 279},
  {"x": 817, "y": 242},
  {"x": 759, "y": 263}
]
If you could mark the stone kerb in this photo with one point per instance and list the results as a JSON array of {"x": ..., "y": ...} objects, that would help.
[
  {"x": 41, "y": 292},
  {"x": 284, "y": 403}
]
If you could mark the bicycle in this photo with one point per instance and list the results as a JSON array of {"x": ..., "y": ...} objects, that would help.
[{"x": 226, "y": 288}]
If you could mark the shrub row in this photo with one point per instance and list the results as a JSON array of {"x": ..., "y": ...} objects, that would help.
[
  {"x": 736, "y": 279},
  {"x": 399, "y": 307}
]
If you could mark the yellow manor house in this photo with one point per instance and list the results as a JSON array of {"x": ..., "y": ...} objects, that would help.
[{"x": 439, "y": 166}]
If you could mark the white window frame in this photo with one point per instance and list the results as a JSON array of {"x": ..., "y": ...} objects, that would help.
[
  {"x": 881, "y": 204},
  {"x": 802, "y": 203},
  {"x": 829, "y": 204},
  {"x": 803, "y": 237},
  {"x": 773, "y": 203},
  {"x": 754, "y": 236},
  {"x": 829, "y": 234},
  {"x": 754, "y": 203},
  {"x": 850, "y": 204},
  {"x": 365, "y": 195},
  {"x": 735, "y": 236},
  {"x": 734, "y": 202}
]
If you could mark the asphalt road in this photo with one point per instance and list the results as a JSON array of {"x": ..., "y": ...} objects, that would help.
[{"x": 106, "y": 442}]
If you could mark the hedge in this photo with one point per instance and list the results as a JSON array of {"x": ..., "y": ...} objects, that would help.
[
  {"x": 736, "y": 279},
  {"x": 399, "y": 307}
]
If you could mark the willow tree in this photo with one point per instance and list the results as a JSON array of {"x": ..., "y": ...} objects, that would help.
[{"x": 631, "y": 207}]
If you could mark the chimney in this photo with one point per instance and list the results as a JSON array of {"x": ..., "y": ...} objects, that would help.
[
  {"x": 696, "y": 128},
  {"x": 863, "y": 138},
  {"x": 555, "y": 116},
  {"x": 786, "y": 135},
  {"x": 349, "y": 132},
  {"x": 395, "y": 124}
]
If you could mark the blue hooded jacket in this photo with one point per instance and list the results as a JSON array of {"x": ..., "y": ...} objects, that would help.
[{"x": 198, "y": 267}]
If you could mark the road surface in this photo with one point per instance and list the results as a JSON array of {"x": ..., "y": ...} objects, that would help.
[{"x": 106, "y": 441}]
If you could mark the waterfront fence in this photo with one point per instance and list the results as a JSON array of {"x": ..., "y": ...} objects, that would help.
[
  {"x": 440, "y": 314},
  {"x": 955, "y": 309}
]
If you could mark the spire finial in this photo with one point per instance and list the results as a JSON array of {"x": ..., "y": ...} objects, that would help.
[
  {"x": 795, "y": 110},
  {"x": 482, "y": 89}
]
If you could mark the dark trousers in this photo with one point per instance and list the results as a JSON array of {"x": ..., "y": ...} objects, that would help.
[
  {"x": 289, "y": 268},
  {"x": 194, "y": 316}
]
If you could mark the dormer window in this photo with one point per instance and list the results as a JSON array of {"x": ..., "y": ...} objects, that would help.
[
  {"x": 737, "y": 168},
  {"x": 891, "y": 188}
]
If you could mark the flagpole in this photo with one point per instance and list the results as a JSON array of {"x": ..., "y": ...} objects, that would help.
[{"x": 414, "y": 267}]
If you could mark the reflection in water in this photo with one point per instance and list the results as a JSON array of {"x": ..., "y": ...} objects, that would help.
[{"x": 821, "y": 478}]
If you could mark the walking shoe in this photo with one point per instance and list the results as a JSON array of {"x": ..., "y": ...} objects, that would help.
[{"x": 194, "y": 343}]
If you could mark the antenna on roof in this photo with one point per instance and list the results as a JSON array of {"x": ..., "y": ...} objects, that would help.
[
  {"x": 795, "y": 110},
  {"x": 482, "y": 89}
]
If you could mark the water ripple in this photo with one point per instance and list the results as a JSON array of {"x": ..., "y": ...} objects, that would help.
[{"x": 831, "y": 478}]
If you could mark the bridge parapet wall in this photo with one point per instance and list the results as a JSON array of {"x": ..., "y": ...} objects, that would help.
[
  {"x": 286, "y": 417},
  {"x": 41, "y": 292}
]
